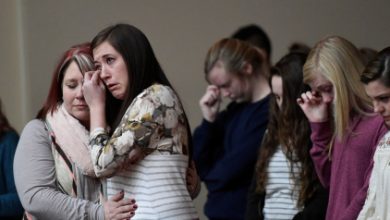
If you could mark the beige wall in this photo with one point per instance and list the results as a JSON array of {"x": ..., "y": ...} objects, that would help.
[
  {"x": 12, "y": 82},
  {"x": 34, "y": 33}
]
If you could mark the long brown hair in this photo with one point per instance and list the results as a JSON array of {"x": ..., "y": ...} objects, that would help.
[
  {"x": 143, "y": 70},
  {"x": 289, "y": 128},
  {"x": 378, "y": 69}
]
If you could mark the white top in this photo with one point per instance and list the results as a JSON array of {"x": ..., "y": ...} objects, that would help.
[
  {"x": 154, "y": 123},
  {"x": 281, "y": 191},
  {"x": 377, "y": 204},
  {"x": 158, "y": 184}
]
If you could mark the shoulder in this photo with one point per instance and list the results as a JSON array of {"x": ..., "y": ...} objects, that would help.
[
  {"x": 372, "y": 121},
  {"x": 159, "y": 95},
  {"x": 372, "y": 126},
  {"x": 34, "y": 140},
  {"x": 159, "y": 90},
  {"x": 35, "y": 130},
  {"x": 34, "y": 126}
]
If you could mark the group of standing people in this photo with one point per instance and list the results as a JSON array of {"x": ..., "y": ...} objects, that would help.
[
  {"x": 305, "y": 138},
  {"x": 315, "y": 148},
  {"x": 111, "y": 140}
]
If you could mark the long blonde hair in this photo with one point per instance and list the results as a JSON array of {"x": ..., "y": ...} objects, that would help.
[{"x": 339, "y": 61}]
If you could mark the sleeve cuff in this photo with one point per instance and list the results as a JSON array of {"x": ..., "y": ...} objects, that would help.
[{"x": 97, "y": 131}]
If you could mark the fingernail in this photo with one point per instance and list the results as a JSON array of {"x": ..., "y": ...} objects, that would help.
[
  {"x": 135, "y": 206},
  {"x": 132, "y": 213},
  {"x": 132, "y": 201}
]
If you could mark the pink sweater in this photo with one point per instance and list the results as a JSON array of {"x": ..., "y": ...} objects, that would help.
[{"x": 348, "y": 172}]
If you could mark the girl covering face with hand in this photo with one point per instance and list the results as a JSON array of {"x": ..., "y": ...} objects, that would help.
[
  {"x": 147, "y": 151},
  {"x": 345, "y": 132}
]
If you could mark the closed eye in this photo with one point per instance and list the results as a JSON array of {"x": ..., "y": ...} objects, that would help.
[
  {"x": 383, "y": 99},
  {"x": 71, "y": 85}
]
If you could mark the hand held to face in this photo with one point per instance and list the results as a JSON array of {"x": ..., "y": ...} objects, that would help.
[
  {"x": 314, "y": 107},
  {"x": 94, "y": 90},
  {"x": 210, "y": 103},
  {"x": 118, "y": 207}
]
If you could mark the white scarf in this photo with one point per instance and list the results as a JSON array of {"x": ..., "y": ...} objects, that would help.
[{"x": 72, "y": 137}]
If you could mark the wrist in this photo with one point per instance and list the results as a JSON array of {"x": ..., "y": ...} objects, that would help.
[{"x": 98, "y": 118}]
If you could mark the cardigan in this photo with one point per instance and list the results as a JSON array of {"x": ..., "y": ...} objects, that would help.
[
  {"x": 347, "y": 173},
  {"x": 35, "y": 179}
]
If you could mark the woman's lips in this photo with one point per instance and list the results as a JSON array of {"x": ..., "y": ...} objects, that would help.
[{"x": 112, "y": 87}]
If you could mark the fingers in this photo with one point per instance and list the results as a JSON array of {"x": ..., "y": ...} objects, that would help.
[
  {"x": 118, "y": 197},
  {"x": 211, "y": 97},
  {"x": 215, "y": 94},
  {"x": 309, "y": 97},
  {"x": 126, "y": 215},
  {"x": 88, "y": 75},
  {"x": 125, "y": 209},
  {"x": 95, "y": 77},
  {"x": 300, "y": 101},
  {"x": 119, "y": 208}
]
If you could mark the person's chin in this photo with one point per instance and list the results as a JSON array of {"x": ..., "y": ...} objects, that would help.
[
  {"x": 82, "y": 115},
  {"x": 118, "y": 95},
  {"x": 241, "y": 100}
]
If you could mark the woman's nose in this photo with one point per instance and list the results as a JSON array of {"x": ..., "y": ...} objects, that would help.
[
  {"x": 104, "y": 73},
  {"x": 80, "y": 93}
]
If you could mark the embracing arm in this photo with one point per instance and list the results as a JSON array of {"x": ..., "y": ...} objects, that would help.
[
  {"x": 148, "y": 124},
  {"x": 35, "y": 180},
  {"x": 9, "y": 201}
]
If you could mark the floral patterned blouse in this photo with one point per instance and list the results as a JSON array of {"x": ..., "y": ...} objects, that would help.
[{"x": 154, "y": 121}]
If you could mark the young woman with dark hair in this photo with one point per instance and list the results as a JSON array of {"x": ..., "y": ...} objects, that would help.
[
  {"x": 376, "y": 79},
  {"x": 286, "y": 179},
  {"x": 148, "y": 149}
]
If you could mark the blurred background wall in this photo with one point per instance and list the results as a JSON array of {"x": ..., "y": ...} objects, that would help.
[{"x": 33, "y": 34}]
